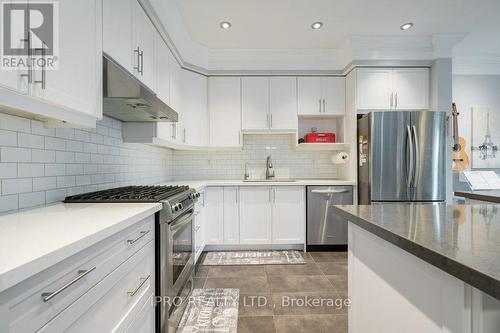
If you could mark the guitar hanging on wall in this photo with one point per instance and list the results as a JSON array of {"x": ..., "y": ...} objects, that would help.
[{"x": 459, "y": 156}]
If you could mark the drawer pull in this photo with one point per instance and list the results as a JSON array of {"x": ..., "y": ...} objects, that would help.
[
  {"x": 81, "y": 274},
  {"x": 141, "y": 283},
  {"x": 142, "y": 234}
]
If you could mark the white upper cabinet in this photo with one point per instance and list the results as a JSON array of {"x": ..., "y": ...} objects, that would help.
[
  {"x": 309, "y": 95},
  {"x": 334, "y": 95},
  {"x": 224, "y": 110},
  {"x": 269, "y": 103},
  {"x": 77, "y": 83},
  {"x": 194, "y": 108},
  {"x": 283, "y": 103},
  {"x": 321, "y": 95},
  {"x": 411, "y": 88},
  {"x": 144, "y": 48},
  {"x": 393, "y": 89},
  {"x": 118, "y": 31},
  {"x": 255, "y": 215},
  {"x": 255, "y": 103},
  {"x": 163, "y": 70},
  {"x": 288, "y": 214}
]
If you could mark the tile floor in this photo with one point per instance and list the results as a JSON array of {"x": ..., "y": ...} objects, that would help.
[{"x": 273, "y": 297}]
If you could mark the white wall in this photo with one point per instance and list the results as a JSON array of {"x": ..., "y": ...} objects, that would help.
[{"x": 469, "y": 91}]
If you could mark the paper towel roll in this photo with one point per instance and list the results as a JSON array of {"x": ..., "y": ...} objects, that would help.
[{"x": 340, "y": 158}]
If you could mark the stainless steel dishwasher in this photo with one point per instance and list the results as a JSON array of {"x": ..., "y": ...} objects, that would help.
[{"x": 325, "y": 229}]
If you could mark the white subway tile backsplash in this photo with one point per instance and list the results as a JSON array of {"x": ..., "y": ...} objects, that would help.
[
  {"x": 8, "y": 170},
  {"x": 43, "y": 156},
  {"x": 14, "y": 154},
  {"x": 17, "y": 185},
  {"x": 33, "y": 199},
  {"x": 65, "y": 133},
  {"x": 30, "y": 170},
  {"x": 8, "y": 202},
  {"x": 44, "y": 183},
  {"x": 8, "y": 138},
  {"x": 52, "y": 196},
  {"x": 37, "y": 127},
  {"x": 29, "y": 140},
  {"x": 83, "y": 180},
  {"x": 65, "y": 157},
  {"x": 55, "y": 143},
  {"x": 74, "y": 169},
  {"x": 72, "y": 145},
  {"x": 53, "y": 169},
  {"x": 66, "y": 181}
]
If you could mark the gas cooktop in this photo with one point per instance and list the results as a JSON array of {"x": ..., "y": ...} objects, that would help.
[{"x": 129, "y": 194}]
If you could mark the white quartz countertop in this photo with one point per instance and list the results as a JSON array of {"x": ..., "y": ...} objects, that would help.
[
  {"x": 200, "y": 184},
  {"x": 34, "y": 240}
]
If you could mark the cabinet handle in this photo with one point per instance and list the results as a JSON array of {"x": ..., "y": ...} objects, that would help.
[
  {"x": 269, "y": 195},
  {"x": 81, "y": 274},
  {"x": 42, "y": 50},
  {"x": 141, "y": 283},
  {"x": 267, "y": 120},
  {"x": 141, "y": 56},
  {"x": 271, "y": 120},
  {"x": 141, "y": 234},
  {"x": 392, "y": 98},
  {"x": 239, "y": 137},
  {"x": 29, "y": 75},
  {"x": 184, "y": 135},
  {"x": 138, "y": 67},
  {"x": 274, "y": 195},
  {"x": 324, "y": 106},
  {"x": 319, "y": 105},
  {"x": 396, "y": 101}
]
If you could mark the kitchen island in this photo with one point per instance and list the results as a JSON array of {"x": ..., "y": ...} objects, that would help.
[
  {"x": 483, "y": 195},
  {"x": 424, "y": 267}
]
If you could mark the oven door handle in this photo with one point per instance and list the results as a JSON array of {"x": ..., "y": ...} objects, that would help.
[{"x": 181, "y": 221}]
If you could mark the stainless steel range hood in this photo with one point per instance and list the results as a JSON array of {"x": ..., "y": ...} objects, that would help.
[{"x": 128, "y": 99}]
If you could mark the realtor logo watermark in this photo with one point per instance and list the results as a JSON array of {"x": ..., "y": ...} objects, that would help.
[{"x": 30, "y": 35}]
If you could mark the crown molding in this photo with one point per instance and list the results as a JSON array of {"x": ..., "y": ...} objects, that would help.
[{"x": 476, "y": 64}]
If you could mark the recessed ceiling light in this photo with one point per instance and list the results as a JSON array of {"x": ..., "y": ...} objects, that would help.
[
  {"x": 406, "y": 26},
  {"x": 225, "y": 25},
  {"x": 317, "y": 25}
]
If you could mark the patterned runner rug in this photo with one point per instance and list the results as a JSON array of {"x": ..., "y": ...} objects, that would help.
[
  {"x": 285, "y": 257},
  {"x": 211, "y": 310}
]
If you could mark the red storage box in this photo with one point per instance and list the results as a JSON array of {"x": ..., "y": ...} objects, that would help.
[{"x": 319, "y": 137}]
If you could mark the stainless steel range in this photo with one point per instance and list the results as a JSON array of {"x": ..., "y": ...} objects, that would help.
[{"x": 173, "y": 237}]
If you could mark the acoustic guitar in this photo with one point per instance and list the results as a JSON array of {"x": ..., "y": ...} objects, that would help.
[{"x": 459, "y": 156}]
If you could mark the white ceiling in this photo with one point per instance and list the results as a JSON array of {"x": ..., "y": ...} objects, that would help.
[{"x": 285, "y": 24}]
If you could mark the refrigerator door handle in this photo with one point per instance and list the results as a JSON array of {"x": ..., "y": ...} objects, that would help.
[
  {"x": 417, "y": 157},
  {"x": 409, "y": 161}
]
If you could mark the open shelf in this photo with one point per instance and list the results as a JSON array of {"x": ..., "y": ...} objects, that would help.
[{"x": 322, "y": 146}]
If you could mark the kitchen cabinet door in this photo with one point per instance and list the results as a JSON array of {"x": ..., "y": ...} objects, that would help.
[
  {"x": 231, "y": 216},
  {"x": 255, "y": 103},
  {"x": 255, "y": 215},
  {"x": 117, "y": 33},
  {"x": 15, "y": 79},
  {"x": 283, "y": 103},
  {"x": 374, "y": 89},
  {"x": 194, "y": 107},
  {"x": 177, "y": 133},
  {"x": 77, "y": 84},
  {"x": 214, "y": 231},
  {"x": 411, "y": 88},
  {"x": 145, "y": 39},
  {"x": 309, "y": 95},
  {"x": 288, "y": 214},
  {"x": 224, "y": 110},
  {"x": 334, "y": 95},
  {"x": 163, "y": 70}
]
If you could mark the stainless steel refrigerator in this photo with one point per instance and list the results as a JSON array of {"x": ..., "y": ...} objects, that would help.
[{"x": 402, "y": 156}]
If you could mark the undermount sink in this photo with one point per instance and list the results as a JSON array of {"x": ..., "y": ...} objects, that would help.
[{"x": 280, "y": 180}]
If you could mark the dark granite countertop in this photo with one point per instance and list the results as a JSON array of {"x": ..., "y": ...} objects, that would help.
[
  {"x": 462, "y": 240},
  {"x": 484, "y": 195}
]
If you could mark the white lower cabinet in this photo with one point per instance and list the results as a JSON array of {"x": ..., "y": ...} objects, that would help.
[
  {"x": 255, "y": 215},
  {"x": 231, "y": 216},
  {"x": 288, "y": 215},
  {"x": 251, "y": 215},
  {"x": 214, "y": 232},
  {"x": 101, "y": 289}
]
